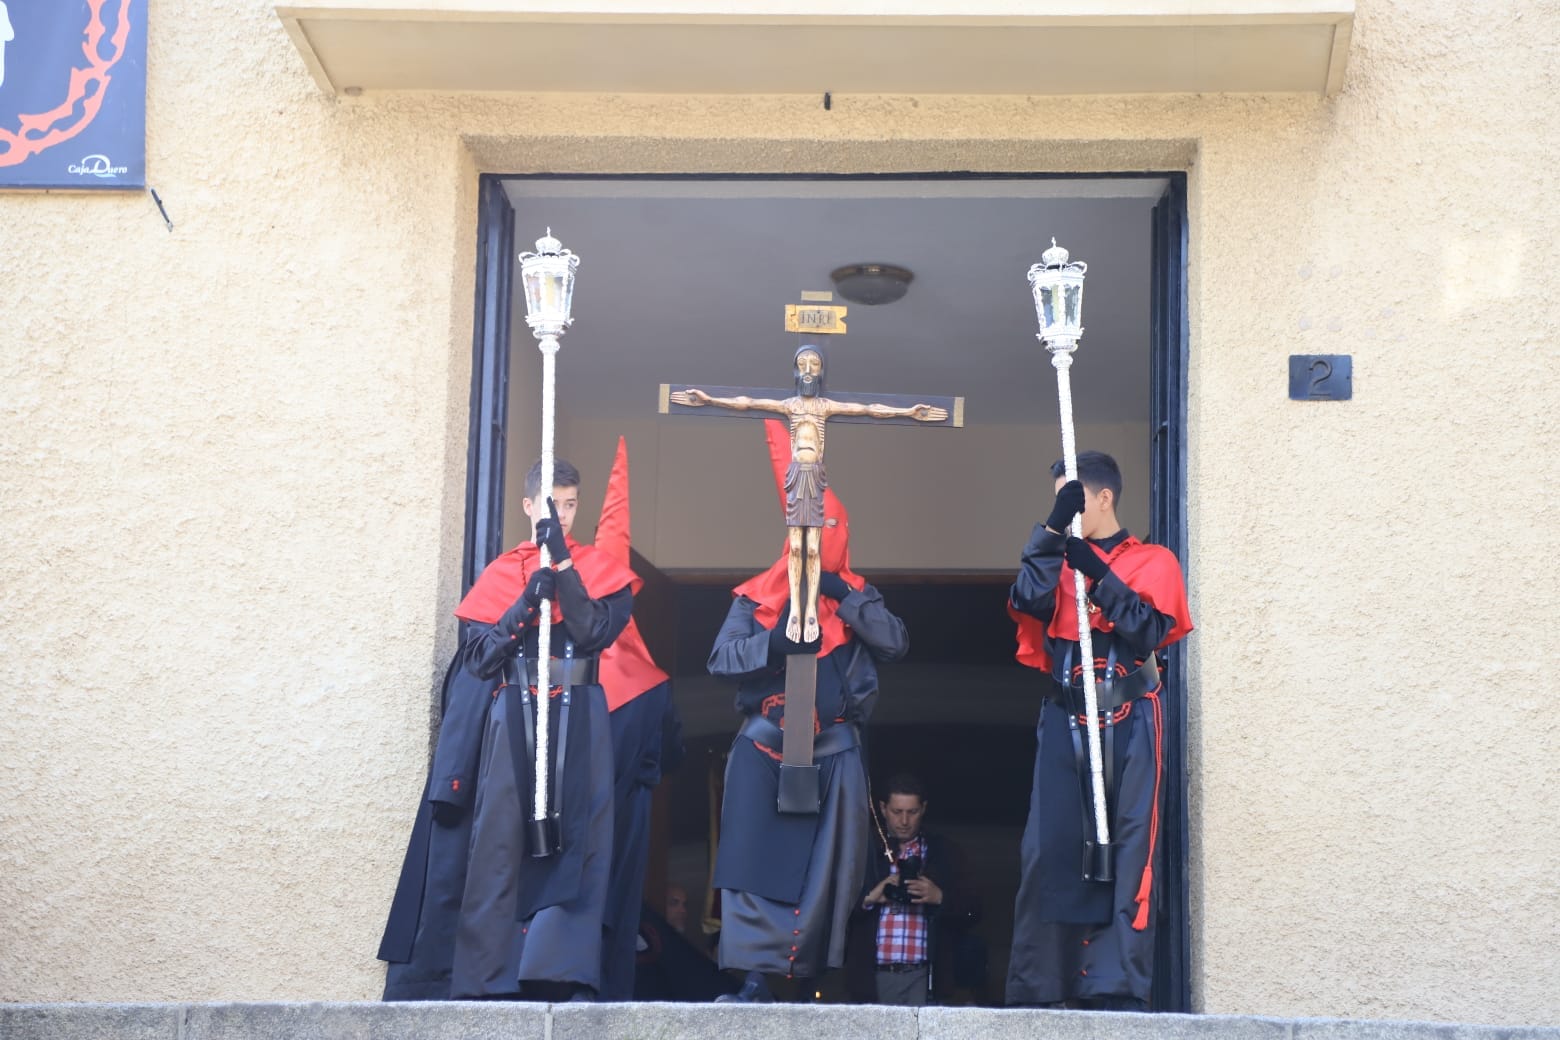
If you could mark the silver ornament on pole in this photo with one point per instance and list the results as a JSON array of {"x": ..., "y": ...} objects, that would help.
[
  {"x": 1057, "y": 286},
  {"x": 547, "y": 277}
]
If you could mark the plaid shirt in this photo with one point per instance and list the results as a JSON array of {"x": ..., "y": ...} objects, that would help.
[{"x": 901, "y": 933}]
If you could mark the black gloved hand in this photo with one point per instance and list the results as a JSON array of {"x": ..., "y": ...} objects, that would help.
[
  {"x": 1085, "y": 560},
  {"x": 779, "y": 644},
  {"x": 541, "y": 586},
  {"x": 1069, "y": 503},
  {"x": 549, "y": 532},
  {"x": 833, "y": 586}
]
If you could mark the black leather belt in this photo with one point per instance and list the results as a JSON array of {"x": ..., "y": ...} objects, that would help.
[
  {"x": 841, "y": 736},
  {"x": 902, "y": 967},
  {"x": 576, "y": 671},
  {"x": 1109, "y": 694}
]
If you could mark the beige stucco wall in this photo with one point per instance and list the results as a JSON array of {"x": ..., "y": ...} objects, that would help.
[{"x": 232, "y": 467}]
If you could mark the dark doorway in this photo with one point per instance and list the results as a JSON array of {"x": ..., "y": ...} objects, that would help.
[{"x": 958, "y": 711}]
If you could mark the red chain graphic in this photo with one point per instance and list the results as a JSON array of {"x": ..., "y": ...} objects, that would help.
[{"x": 17, "y": 146}]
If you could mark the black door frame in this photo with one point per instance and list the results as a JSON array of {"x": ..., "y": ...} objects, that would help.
[
  {"x": 1167, "y": 526},
  {"x": 1169, "y": 352},
  {"x": 485, "y": 446}
]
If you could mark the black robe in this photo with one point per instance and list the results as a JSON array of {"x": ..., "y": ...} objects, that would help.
[
  {"x": 474, "y": 914},
  {"x": 1076, "y": 940},
  {"x": 790, "y": 881}
]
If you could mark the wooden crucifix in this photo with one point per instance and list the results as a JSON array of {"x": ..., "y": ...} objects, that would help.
[{"x": 807, "y": 412}]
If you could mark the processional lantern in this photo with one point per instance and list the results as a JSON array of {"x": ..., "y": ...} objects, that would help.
[
  {"x": 1058, "y": 290},
  {"x": 1057, "y": 286},
  {"x": 548, "y": 278}
]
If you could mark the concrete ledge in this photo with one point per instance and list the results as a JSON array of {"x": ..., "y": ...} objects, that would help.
[
  {"x": 89, "y": 1021},
  {"x": 731, "y": 1022},
  {"x": 504, "y": 1021},
  {"x": 1023, "y": 1024},
  {"x": 1370, "y": 1029},
  {"x": 855, "y": 46},
  {"x": 457, "y": 1020}
]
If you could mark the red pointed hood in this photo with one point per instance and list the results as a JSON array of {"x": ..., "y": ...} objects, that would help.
[{"x": 627, "y": 669}]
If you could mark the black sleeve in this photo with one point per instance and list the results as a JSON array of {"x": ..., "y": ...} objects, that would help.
[
  {"x": 485, "y": 651},
  {"x": 871, "y": 622},
  {"x": 592, "y": 623},
  {"x": 455, "y": 756},
  {"x": 1034, "y": 590},
  {"x": 742, "y": 645},
  {"x": 1139, "y": 626}
]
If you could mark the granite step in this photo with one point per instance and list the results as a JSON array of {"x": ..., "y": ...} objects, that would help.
[{"x": 507, "y": 1021}]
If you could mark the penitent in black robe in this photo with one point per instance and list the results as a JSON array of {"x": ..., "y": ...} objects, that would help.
[
  {"x": 474, "y": 914},
  {"x": 789, "y": 882},
  {"x": 1083, "y": 941}
]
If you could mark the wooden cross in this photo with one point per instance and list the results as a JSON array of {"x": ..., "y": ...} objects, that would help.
[{"x": 807, "y": 412}]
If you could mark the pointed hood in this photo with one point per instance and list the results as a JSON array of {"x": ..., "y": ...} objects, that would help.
[{"x": 627, "y": 669}]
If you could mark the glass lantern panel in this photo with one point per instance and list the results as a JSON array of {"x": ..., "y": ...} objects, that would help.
[
  {"x": 551, "y": 291},
  {"x": 531, "y": 277},
  {"x": 548, "y": 288},
  {"x": 1053, "y": 305},
  {"x": 1075, "y": 305},
  {"x": 565, "y": 290}
]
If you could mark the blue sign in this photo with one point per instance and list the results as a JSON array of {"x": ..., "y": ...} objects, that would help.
[{"x": 73, "y": 93}]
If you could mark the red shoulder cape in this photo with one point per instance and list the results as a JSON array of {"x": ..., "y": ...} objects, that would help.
[
  {"x": 771, "y": 590},
  {"x": 1149, "y": 570},
  {"x": 504, "y": 579}
]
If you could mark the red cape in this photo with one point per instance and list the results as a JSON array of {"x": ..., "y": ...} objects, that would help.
[
  {"x": 771, "y": 590},
  {"x": 504, "y": 579},
  {"x": 627, "y": 669},
  {"x": 1149, "y": 570}
]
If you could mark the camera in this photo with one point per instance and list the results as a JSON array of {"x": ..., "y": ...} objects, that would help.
[{"x": 909, "y": 870}]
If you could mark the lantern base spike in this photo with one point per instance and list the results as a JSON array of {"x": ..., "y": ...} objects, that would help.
[
  {"x": 545, "y": 837},
  {"x": 1099, "y": 861}
]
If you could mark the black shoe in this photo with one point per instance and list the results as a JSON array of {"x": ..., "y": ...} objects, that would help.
[
  {"x": 1119, "y": 1004},
  {"x": 754, "y": 991}
]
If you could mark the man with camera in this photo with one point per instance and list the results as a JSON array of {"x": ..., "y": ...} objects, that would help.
[{"x": 909, "y": 906}]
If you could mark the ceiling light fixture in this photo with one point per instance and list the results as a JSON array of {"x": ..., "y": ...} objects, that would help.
[{"x": 871, "y": 284}]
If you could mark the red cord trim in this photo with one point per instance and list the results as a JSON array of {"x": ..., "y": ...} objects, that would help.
[{"x": 1146, "y": 886}]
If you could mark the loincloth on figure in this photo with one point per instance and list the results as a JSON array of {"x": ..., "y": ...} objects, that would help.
[{"x": 804, "y": 487}]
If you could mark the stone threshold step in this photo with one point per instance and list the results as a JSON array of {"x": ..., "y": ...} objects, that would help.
[{"x": 505, "y": 1021}]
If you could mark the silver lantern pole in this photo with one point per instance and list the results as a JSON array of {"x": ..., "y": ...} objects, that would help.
[
  {"x": 548, "y": 278},
  {"x": 1057, "y": 286}
]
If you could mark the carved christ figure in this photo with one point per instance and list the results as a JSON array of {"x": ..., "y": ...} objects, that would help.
[{"x": 808, "y": 411}]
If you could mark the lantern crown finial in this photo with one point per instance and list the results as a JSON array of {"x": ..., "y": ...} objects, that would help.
[
  {"x": 547, "y": 245},
  {"x": 1056, "y": 256}
]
